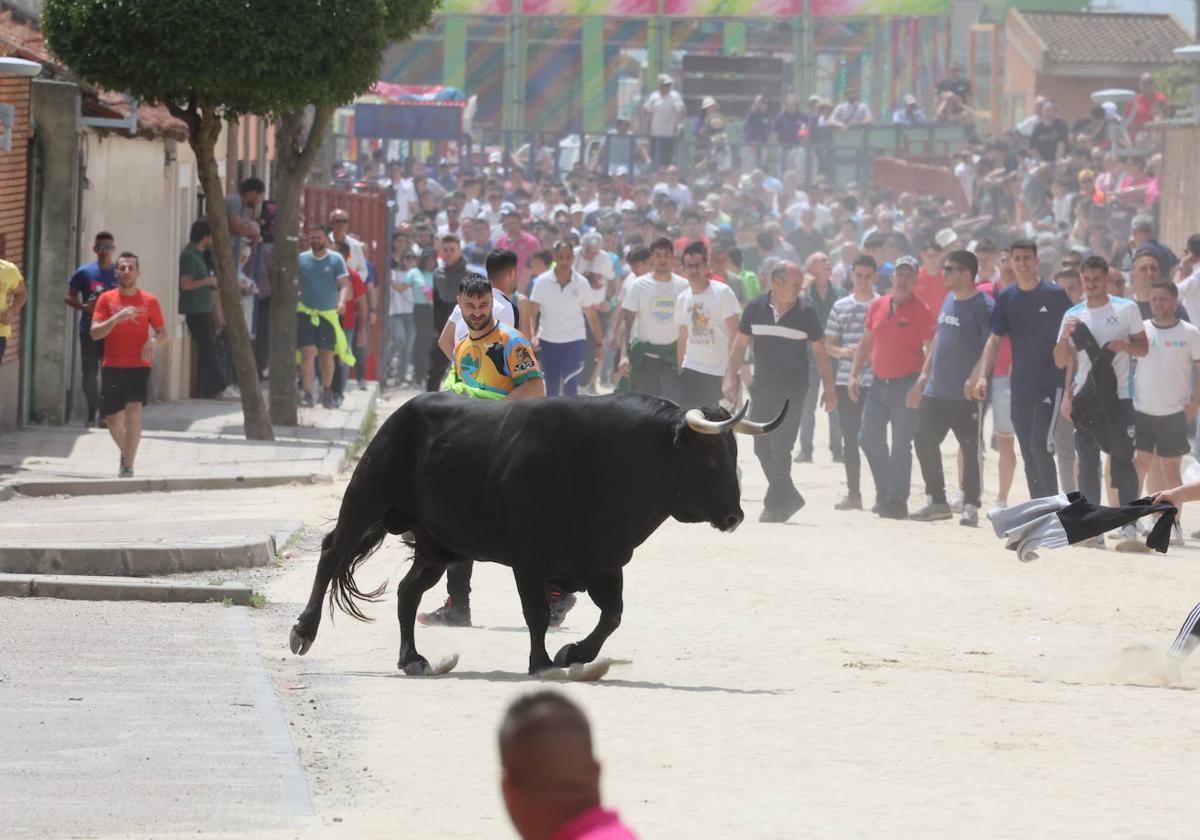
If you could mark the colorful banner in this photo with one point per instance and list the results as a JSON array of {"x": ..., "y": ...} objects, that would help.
[{"x": 700, "y": 8}]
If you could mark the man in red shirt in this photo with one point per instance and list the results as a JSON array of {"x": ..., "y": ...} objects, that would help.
[
  {"x": 1147, "y": 106},
  {"x": 898, "y": 328},
  {"x": 549, "y": 776},
  {"x": 124, "y": 317},
  {"x": 522, "y": 243},
  {"x": 929, "y": 288},
  {"x": 356, "y": 312}
]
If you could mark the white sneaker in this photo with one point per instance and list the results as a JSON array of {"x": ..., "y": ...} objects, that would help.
[
  {"x": 1094, "y": 542},
  {"x": 1129, "y": 540},
  {"x": 996, "y": 507},
  {"x": 1177, "y": 537},
  {"x": 230, "y": 393},
  {"x": 956, "y": 502}
]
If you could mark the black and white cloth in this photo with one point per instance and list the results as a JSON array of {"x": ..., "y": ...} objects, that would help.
[{"x": 1069, "y": 518}]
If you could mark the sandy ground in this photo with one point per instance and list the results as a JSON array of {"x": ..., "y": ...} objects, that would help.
[{"x": 838, "y": 676}]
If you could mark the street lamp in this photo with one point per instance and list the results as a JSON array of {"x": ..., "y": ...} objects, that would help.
[{"x": 18, "y": 67}]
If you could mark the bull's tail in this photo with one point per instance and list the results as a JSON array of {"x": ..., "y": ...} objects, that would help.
[{"x": 343, "y": 590}]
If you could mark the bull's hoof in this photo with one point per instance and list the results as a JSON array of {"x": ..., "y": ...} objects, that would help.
[
  {"x": 299, "y": 644},
  {"x": 419, "y": 667},
  {"x": 564, "y": 656}
]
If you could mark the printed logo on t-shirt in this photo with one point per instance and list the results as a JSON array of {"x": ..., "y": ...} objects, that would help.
[
  {"x": 1043, "y": 309},
  {"x": 662, "y": 308},
  {"x": 700, "y": 331}
]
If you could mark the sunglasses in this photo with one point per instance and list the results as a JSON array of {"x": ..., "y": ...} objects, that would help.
[{"x": 105, "y": 248}]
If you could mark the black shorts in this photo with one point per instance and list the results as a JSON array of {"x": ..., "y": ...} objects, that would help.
[
  {"x": 120, "y": 386},
  {"x": 1166, "y": 437},
  {"x": 321, "y": 336}
]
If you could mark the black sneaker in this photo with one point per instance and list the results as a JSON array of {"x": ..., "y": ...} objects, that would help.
[
  {"x": 851, "y": 501},
  {"x": 803, "y": 457},
  {"x": 306, "y": 399},
  {"x": 784, "y": 513},
  {"x": 448, "y": 614},
  {"x": 560, "y": 605},
  {"x": 931, "y": 512},
  {"x": 327, "y": 398}
]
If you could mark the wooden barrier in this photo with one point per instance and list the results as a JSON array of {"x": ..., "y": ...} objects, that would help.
[{"x": 923, "y": 178}]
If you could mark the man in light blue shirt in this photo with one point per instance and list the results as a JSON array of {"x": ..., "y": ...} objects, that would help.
[{"x": 324, "y": 293}]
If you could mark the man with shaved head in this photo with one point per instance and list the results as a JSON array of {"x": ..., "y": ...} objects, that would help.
[{"x": 549, "y": 777}]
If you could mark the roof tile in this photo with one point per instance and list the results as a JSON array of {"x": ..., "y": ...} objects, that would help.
[{"x": 1102, "y": 38}]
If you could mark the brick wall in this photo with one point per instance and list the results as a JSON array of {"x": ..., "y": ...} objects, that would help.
[{"x": 14, "y": 167}]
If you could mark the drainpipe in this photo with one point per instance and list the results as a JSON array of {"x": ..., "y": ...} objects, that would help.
[{"x": 33, "y": 233}]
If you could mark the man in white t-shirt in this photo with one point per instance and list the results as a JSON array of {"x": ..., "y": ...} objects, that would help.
[
  {"x": 1115, "y": 323},
  {"x": 1164, "y": 400},
  {"x": 664, "y": 115},
  {"x": 501, "y": 266},
  {"x": 562, "y": 305},
  {"x": 648, "y": 358},
  {"x": 707, "y": 316}
]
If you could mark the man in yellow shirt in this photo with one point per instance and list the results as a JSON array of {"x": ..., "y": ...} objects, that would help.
[
  {"x": 493, "y": 361},
  {"x": 12, "y": 297}
]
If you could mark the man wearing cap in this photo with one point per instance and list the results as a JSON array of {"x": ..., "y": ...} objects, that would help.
[
  {"x": 897, "y": 328},
  {"x": 664, "y": 114},
  {"x": 909, "y": 112}
]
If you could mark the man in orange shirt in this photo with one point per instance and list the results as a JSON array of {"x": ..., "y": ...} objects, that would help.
[
  {"x": 929, "y": 288},
  {"x": 124, "y": 318}
]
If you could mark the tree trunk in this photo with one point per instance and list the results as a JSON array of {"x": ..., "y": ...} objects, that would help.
[
  {"x": 294, "y": 153},
  {"x": 203, "y": 136}
]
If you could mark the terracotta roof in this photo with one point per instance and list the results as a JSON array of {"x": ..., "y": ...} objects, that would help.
[
  {"x": 1102, "y": 38},
  {"x": 21, "y": 40}
]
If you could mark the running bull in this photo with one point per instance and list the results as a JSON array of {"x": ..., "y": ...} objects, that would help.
[{"x": 560, "y": 490}]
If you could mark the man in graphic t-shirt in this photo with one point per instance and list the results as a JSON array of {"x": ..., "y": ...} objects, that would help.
[
  {"x": 88, "y": 282},
  {"x": 648, "y": 310},
  {"x": 707, "y": 316}
]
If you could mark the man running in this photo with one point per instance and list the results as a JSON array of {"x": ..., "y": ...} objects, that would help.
[
  {"x": 1116, "y": 324},
  {"x": 648, "y": 312},
  {"x": 963, "y": 327},
  {"x": 1030, "y": 313},
  {"x": 123, "y": 318},
  {"x": 781, "y": 327},
  {"x": 88, "y": 282}
]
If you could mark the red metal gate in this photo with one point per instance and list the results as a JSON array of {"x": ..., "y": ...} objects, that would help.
[{"x": 369, "y": 222}]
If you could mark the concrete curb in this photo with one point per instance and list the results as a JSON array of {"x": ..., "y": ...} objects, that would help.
[
  {"x": 134, "y": 560},
  {"x": 79, "y": 588},
  {"x": 116, "y": 486}
]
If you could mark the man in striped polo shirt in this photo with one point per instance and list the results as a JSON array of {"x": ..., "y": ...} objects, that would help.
[
  {"x": 847, "y": 322},
  {"x": 782, "y": 327}
]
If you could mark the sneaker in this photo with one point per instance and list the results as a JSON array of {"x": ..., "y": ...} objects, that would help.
[
  {"x": 1130, "y": 541},
  {"x": 306, "y": 399},
  {"x": 448, "y": 614},
  {"x": 783, "y": 514},
  {"x": 560, "y": 605},
  {"x": 327, "y": 397},
  {"x": 803, "y": 457},
  {"x": 230, "y": 393},
  {"x": 931, "y": 512},
  {"x": 126, "y": 472},
  {"x": 970, "y": 516},
  {"x": 996, "y": 507},
  {"x": 362, "y": 385},
  {"x": 1177, "y": 537},
  {"x": 851, "y": 501},
  {"x": 956, "y": 502},
  {"x": 1094, "y": 542}
]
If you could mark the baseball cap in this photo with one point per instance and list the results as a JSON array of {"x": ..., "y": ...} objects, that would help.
[
  {"x": 909, "y": 99},
  {"x": 946, "y": 237},
  {"x": 907, "y": 262},
  {"x": 664, "y": 79}
]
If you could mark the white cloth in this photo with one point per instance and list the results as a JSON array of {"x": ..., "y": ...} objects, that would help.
[
  {"x": 654, "y": 303},
  {"x": 1162, "y": 381},
  {"x": 601, "y": 265},
  {"x": 406, "y": 200},
  {"x": 681, "y": 194},
  {"x": 1117, "y": 319},
  {"x": 1031, "y": 525},
  {"x": 666, "y": 113},
  {"x": 560, "y": 318},
  {"x": 852, "y": 114},
  {"x": 358, "y": 258},
  {"x": 708, "y": 336},
  {"x": 502, "y": 311},
  {"x": 1189, "y": 293}
]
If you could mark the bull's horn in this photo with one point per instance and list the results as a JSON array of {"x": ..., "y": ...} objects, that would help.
[
  {"x": 749, "y": 427},
  {"x": 697, "y": 422}
]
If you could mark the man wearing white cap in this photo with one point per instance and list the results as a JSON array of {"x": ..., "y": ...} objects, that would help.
[
  {"x": 909, "y": 112},
  {"x": 664, "y": 115}
]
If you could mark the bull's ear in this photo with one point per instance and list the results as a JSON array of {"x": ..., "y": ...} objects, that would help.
[{"x": 682, "y": 432}]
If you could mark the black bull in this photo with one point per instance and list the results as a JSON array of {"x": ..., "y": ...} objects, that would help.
[{"x": 561, "y": 490}]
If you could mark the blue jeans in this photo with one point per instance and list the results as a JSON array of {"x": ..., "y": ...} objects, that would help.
[
  {"x": 890, "y": 466},
  {"x": 562, "y": 363},
  {"x": 808, "y": 417}
]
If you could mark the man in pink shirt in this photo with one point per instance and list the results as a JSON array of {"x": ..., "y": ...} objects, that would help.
[
  {"x": 549, "y": 777},
  {"x": 520, "y": 242}
]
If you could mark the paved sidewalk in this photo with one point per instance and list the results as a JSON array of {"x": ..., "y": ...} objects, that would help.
[{"x": 191, "y": 444}]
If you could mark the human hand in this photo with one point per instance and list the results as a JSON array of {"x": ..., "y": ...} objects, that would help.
[
  {"x": 623, "y": 366},
  {"x": 913, "y": 398},
  {"x": 1064, "y": 408},
  {"x": 979, "y": 390},
  {"x": 829, "y": 400},
  {"x": 852, "y": 389}
]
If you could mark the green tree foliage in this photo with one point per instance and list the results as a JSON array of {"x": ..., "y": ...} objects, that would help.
[{"x": 212, "y": 60}]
